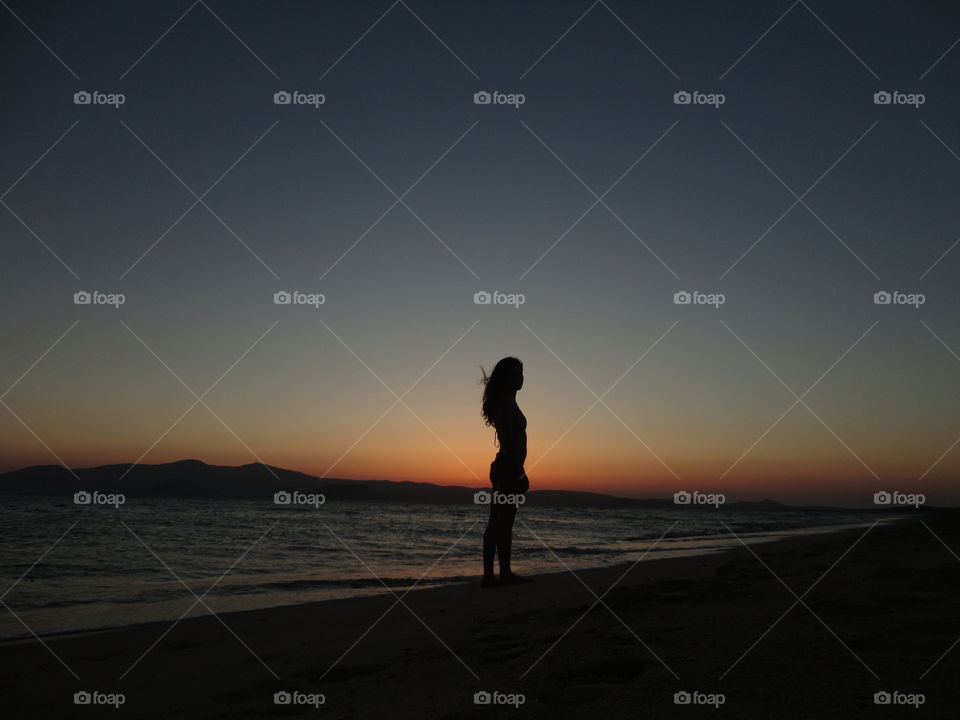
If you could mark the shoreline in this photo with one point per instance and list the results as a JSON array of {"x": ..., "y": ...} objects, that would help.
[
  {"x": 759, "y": 537},
  {"x": 888, "y": 595}
]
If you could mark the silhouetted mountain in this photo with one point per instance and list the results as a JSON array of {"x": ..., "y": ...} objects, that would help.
[{"x": 194, "y": 478}]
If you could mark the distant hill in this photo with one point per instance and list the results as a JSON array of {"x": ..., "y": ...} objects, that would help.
[{"x": 196, "y": 479}]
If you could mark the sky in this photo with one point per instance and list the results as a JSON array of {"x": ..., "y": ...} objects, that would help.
[{"x": 783, "y": 197}]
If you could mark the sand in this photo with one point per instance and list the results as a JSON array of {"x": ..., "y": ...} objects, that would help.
[{"x": 877, "y": 621}]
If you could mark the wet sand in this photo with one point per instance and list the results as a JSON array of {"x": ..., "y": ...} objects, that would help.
[{"x": 876, "y": 621}]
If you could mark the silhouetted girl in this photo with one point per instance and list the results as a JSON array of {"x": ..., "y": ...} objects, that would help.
[{"x": 507, "y": 475}]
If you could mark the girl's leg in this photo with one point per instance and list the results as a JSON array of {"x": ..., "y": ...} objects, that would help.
[
  {"x": 490, "y": 543},
  {"x": 505, "y": 537}
]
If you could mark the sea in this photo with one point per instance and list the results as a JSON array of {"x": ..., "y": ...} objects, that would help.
[{"x": 66, "y": 567}]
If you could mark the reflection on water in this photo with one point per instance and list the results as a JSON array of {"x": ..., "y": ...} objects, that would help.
[{"x": 116, "y": 567}]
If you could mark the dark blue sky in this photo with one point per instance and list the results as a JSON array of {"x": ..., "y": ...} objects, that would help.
[{"x": 298, "y": 190}]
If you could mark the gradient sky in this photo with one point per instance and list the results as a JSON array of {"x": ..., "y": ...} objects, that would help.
[{"x": 699, "y": 410}]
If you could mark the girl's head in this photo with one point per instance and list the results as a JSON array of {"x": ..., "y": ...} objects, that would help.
[{"x": 505, "y": 380}]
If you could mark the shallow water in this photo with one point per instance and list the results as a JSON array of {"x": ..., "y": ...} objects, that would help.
[{"x": 115, "y": 567}]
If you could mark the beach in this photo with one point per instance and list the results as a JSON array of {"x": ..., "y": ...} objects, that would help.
[{"x": 883, "y": 608}]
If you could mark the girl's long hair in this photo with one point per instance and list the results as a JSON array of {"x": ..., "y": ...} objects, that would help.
[{"x": 496, "y": 385}]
